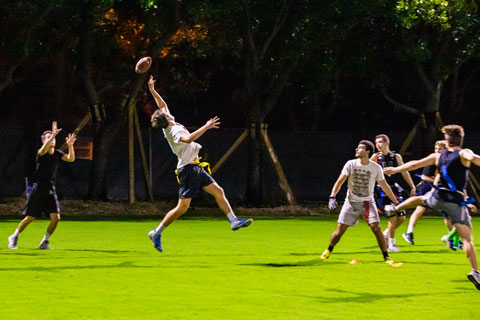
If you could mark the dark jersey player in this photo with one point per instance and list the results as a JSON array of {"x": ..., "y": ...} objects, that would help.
[
  {"x": 42, "y": 198},
  {"x": 450, "y": 199},
  {"x": 386, "y": 158}
]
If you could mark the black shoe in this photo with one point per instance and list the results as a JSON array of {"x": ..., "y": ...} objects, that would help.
[{"x": 408, "y": 237}]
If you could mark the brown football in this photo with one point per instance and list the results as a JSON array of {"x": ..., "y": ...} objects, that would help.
[{"x": 143, "y": 65}]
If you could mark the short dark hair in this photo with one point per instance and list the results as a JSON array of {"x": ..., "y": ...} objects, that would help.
[
  {"x": 159, "y": 120},
  {"x": 44, "y": 134},
  {"x": 454, "y": 134},
  {"x": 368, "y": 145},
  {"x": 384, "y": 137}
]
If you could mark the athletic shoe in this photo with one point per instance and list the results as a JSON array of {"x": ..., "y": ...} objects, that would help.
[
  {"x": 325, "y": 255},
  {"x": 12, "y": 242},
  {"x": 156, "y": 239},
  {"x": 460, "y": 245},
  {"x": 393, "y": 248},
  {"x": 388, "y": 260},
  {"x": 44, "y": 245},
  {"x": 408, "y": 236},
  {"x": 238, "y": 223},
  {"x": 474, "y": 276},
  {"x": 449, "y": 243},
  {"x": 390, "y": 211}
]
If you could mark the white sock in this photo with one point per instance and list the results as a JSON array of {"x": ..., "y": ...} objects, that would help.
[
  {"x": 410, "y": 229},
  {"x": 46, "y": 236},
  {"x": 231, "y": 216},
  {"x": 385, "y": 232},
  {"x": 159, "y": 229},
  {"x": 391, "y": 242},
  {"x": 16, "y": 233}
]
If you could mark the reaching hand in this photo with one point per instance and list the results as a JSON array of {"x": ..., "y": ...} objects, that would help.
[
  {"x": 332, "y": 203},
  {"x": 151, "y": 82},
  {"x": 213, "y": 123},
  {"x": 55, "y": 130},
  {"x": 389, "y": 171},
  {"x": 72, "y": 137}
]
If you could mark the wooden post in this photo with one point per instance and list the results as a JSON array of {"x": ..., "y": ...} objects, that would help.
[
  {"x": 474, "y": 185},
  {"x": 230, "y": 151},
  {"x": 278, "y": 167},
  {"x": 412, "y": 134},
  {"x": 143, "y": 156},
  {"x": 131, "y": 163}
]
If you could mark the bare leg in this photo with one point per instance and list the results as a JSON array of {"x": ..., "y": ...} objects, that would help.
[
  {"x": 379, "y": 235},
  {"x": 448, "y": 224},
  {"x": 54, "y": 219},
  {"x": 419, "y": 211},
  {"x": 393, "y": 224},
  {"x": 337, "y": 234},
  {"x": 25, "y": 222},
  {"x": 466, "y": 234},
  {"x": 410, "y": 203},
  {"x": 217, "y": 192},
  {"x": 175, "y": 213}
]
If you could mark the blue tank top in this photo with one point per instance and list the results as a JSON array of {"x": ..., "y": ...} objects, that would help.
[{"x": 453, "y": 174}]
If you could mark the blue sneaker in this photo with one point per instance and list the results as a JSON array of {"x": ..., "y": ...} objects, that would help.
[
  {"x": 156, "y": 239},
  {"x": 240, "y": 223}
]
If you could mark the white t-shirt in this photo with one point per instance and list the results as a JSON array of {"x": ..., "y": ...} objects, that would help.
[
  {"x": 361, "y": 179},
  {"x": 185, "y": 152}
]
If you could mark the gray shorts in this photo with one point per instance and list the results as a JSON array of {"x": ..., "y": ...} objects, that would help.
[
  {"x": 450, "y": 210},
  {"x": 351, "y": 212}
]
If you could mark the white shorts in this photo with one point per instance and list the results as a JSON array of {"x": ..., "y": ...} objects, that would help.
[{"x": 351, "y": 212}]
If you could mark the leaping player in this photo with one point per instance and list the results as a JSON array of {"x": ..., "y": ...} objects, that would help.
[{"x": 191, "y": 175}]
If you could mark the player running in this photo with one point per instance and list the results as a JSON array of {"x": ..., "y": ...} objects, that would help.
[
  {"x": 386, "y": 158},
  {"x": 42, "y": 198},
  {"x": 362, "y": 174},
  {"x": 425, "y": 186},
  {"x": 191, "y": 175},
  {"x": 454, "y": 165}
]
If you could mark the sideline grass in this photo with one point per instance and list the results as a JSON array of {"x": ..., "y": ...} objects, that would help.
[{"x": 270, "y": 270}]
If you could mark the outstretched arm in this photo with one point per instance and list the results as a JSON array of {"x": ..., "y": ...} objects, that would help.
[
  {"x": 70, "y": 156},
  {"x": 413, "y": 165},
  {"x": 211, "y": 124},
  {"x": 338, "y": 185},
  {"x": 406, "y": 176},
  {"x": 46, "y": 145},
  {"x": 158, "y": 99}
]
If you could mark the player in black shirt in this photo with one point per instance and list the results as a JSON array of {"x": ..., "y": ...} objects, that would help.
[{"x": 42, "y": 198}]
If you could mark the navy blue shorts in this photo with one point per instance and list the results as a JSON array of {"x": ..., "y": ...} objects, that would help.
[
  {"x": 42, "y": 200},
  {"x": 192, "y": 178}
]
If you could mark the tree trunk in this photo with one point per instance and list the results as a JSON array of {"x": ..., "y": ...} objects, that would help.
[{"x": 254, "y": 182}]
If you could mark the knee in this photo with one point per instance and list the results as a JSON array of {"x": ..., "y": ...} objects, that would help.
[
  {"x": 375, "y": 229},
  {"x": 55, "y": 218},
  {"x": 219, "y": 192},
  {"x": 181, "y": 209}
]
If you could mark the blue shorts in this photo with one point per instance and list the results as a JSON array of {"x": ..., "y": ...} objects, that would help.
[
  {"x": 192, "y": 178},
  {"x": 42, "y": 200}
]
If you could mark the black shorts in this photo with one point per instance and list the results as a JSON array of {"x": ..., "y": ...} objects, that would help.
[
  {"x": 42, "y": 200},
  {"x": 192, "y": 178}
]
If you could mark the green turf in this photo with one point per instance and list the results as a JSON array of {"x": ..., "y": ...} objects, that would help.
[{"x": 270, "y": 270}]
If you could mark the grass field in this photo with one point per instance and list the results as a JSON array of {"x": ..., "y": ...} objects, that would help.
[{"x": 271, "y": 270}]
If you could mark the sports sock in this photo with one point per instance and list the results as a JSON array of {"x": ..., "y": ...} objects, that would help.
[
  {"x": 410, "y": 229},
  {"x": 330, "y": 248},
  {"x": 385, "y": 232},
  {"x": 16, "y": 233},
  {"x": 231, "y": 216},
  {"x": 456, "y": 241},
  {"x": 391, "y": 242},
  {"x": 159, "y": 229},
  {"x": 46, "y": 236},
  {"x": 452, "y": 234}
]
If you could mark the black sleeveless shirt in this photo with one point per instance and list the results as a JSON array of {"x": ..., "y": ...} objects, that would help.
[
  {"x": 453, "y": 174},
  {"x": 389, "y": 160}
]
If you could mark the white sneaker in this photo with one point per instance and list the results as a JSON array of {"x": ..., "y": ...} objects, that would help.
[
  {"x": 474, "y": 276},
  {"x": 44, "y": 245},
  {"x": 393, "y": 248},
  {"x": 389, "y": 211},
  {"x": 12, "y": 242}
]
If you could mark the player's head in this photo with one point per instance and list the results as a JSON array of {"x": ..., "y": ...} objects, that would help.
[
  {"x": 440, "y": 145},
  {"x": 382, "y": 142},
  {"x": 161, "y": 119},
  {"x": 46, "y": 135},
  {"x": 365, "y": 148},
  {"x": 453, "y": 134}
]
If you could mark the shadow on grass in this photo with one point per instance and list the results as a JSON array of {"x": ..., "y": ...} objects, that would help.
[
  {"x": 127, "y": 264},
  {"x": 309, "y": 263},
  {"x": 364, "y": 297}
]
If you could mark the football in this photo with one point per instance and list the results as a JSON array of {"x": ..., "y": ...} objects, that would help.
[{"x": 143, "y": 65}]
